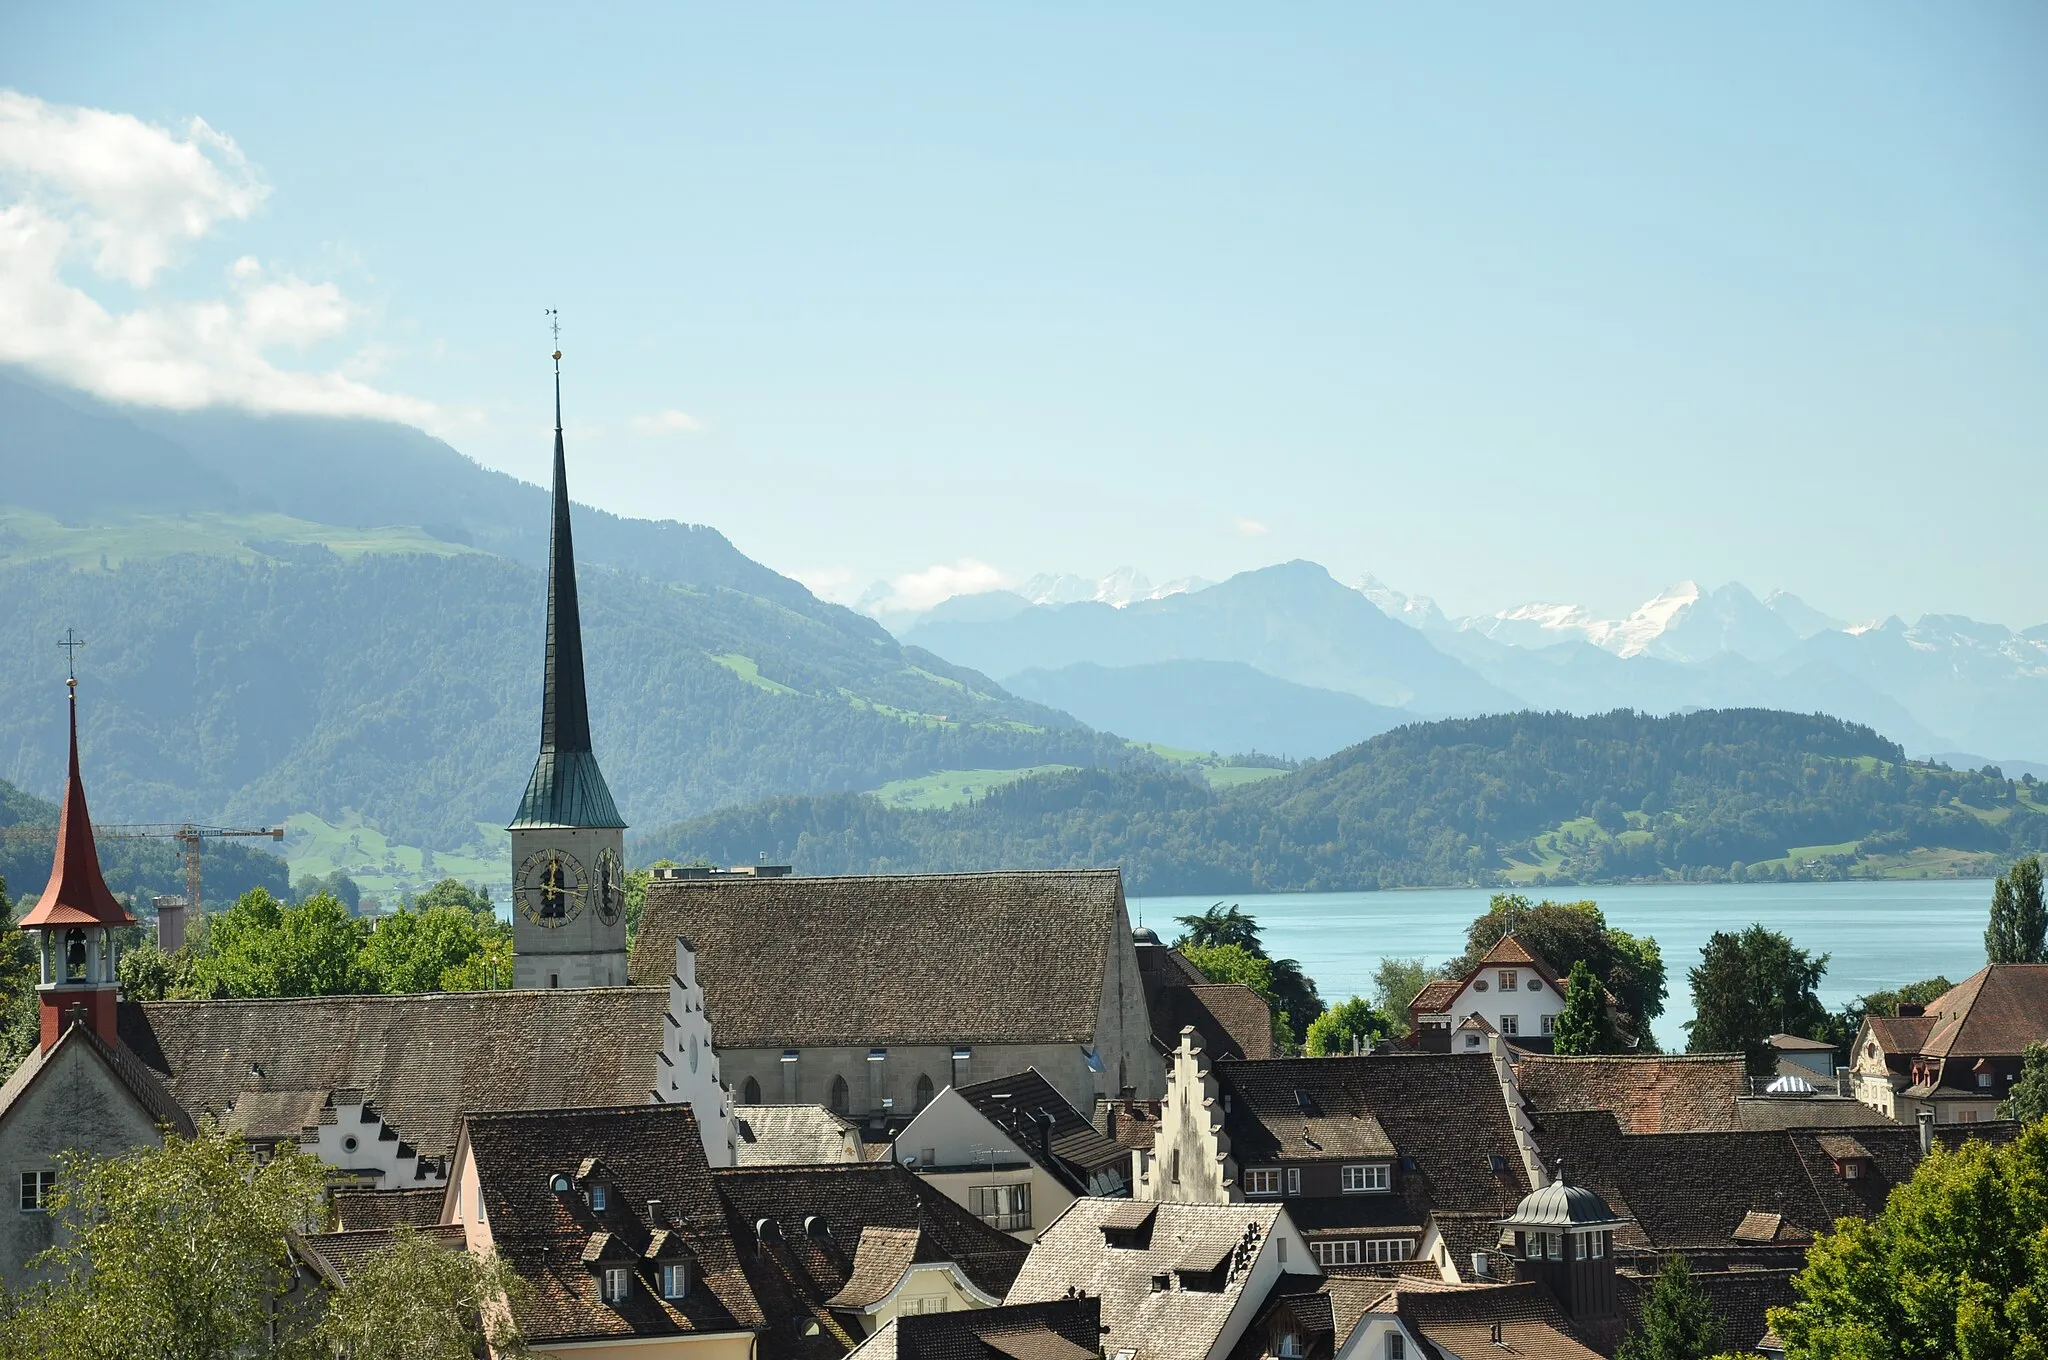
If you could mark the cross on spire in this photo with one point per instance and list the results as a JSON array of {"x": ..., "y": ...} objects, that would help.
[{"x": 71, "y": 642}]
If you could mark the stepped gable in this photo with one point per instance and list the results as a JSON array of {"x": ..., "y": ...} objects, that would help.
[
  {"x": 1698, "y": 1190},
  {"x": 1079, "y": 1149},
  {"x": 885, "y": 960},
  {"x": 644, "y": 1154},
  {"x": 824, "y": 1219},
  {"x": 363, "y": 1210},
  {"x": 420, "y": 1061},
  {"x": 1648, "y": 1094},
  {"x": 1995, "y": 1012},
  {"x": 1060, "y": 1329},
  {"x": 1153, "y": 1324},
  {"x": 1442, "y": 1110},
  {"x": 343, "y": 1252}
]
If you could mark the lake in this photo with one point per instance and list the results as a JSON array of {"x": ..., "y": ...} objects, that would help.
[{"x": 1877, "y": 934}]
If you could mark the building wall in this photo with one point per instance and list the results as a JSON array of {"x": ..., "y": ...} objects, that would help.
[
  {"x": 1190, "y": 1161},
  {"x": 75, "y": 1104},
  {"x": 583, "y": 952},
  {"x": 1531, "y": 1008},
  {"x": 1123, "y": 1027},
  {"x": 968, "y": 1151},
  {"x": 715, "y": 1346},
  {"x": 1063, "y": 1065},
  {"x": 356, "y": 1143},
  {"x": 687, "y": 1070},
  {"x": 935, "y": 1288}
]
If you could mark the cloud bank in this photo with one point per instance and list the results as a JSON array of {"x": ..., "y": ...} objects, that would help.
[{"x": 108, "y": 194}]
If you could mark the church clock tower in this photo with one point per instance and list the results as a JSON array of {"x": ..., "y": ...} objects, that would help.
[{"x": 568, "y": 840}]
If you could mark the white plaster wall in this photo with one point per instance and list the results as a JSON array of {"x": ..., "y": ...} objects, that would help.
[
  {"x": 1530, "y": 1009},
  {"x": 687, "y": 1070},
  {"x": 1190, "y": 1125},
  {"x": 373, "y": 1155}
]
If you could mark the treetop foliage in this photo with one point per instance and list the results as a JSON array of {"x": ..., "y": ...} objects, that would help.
[
  {"x": 1565, "y": 934},
  {"x": 1749, "y": 986},
  {"x": 2018, "y": 931}
]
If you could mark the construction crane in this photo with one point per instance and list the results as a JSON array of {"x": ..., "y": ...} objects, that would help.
[{"x": 189, "y": 835}]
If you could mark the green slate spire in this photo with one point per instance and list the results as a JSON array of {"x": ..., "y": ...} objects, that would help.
[{"x": 567, "y": 788}]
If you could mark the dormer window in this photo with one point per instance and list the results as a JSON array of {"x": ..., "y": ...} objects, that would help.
[
  {"x": 561, "y": 1185},
  {"x": 598, "y": 1197},
  {"x": 1508, "y": 980},
  {"x": 675, "y": 1280},
  {"x": 1362, "y": 1178},
  {"x": 1983, "y": 1081},
  {"x": 615, "y": 1284}
]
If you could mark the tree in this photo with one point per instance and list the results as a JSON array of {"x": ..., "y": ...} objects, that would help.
[
  {"x": 1749, "y": 987},
  {"x": 452, "y": 894},
  {"x": 1331, "y": 1033},
  {"x": 336, "y": 884},
  {"x": 149, "y": 974},
  {"x": 487, "y": 970},
  {"x": 177, "y": 1252},
  {"x": 1582, "y": 1025},
  {"x": 1562, "y": 934},
  {"x": 410, "y": 951},
  {"x": 1221, "y": 925},
  {"x": 1678, "y": 1322},
  {"x": 417, "y": 1300},
  {"x": 259, "y": 947},
  {"x": 1956, "y": 1264},
  {"x": 1291, "y": 992},
  {"x": 1394, "y": 984},
  {"x": 2028, "y": 1099},
  {"x": 2019, "y": 920}
]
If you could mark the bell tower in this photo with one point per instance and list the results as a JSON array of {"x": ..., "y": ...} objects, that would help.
[
  {"x": 75, "y": 920},
  {"x": 568, "y": 840}
]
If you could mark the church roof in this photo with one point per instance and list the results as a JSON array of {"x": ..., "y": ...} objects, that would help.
[
  {"x": 566, "y": 788},
  {"x": 76, "y": 894},
  {"x": 891, "y": 959},
  {"x": 420, "y": 1061}
]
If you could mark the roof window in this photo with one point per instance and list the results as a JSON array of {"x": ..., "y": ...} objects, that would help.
[{"x": 560, "y": 1184}]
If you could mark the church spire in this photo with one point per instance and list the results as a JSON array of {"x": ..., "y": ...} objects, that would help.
[
  {"x": 566, "y": 789},
  {"x": 76, "y": 895}
]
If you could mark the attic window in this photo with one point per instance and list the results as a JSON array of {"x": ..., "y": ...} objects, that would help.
[
  {"x": 615, "y": 1283},
  {"x": 560, "y": 1184},
  {"x": 1508, "y": 980},
  {"x": 599, "y": 1197},
  {"x": 675, "y": 1280}
]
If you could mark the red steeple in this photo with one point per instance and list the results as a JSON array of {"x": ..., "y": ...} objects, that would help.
[{"x": 76, "y": 895}]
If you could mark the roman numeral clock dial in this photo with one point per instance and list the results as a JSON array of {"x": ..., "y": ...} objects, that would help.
[
  {"x": 610, "y": 886},
  {"x": 551, "y": 888}
]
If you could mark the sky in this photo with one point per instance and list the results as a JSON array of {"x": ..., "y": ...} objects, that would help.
[{"x": 1498, "y": 304}]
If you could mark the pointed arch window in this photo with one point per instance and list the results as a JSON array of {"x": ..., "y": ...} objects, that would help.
[
  {"x": 924, "y": 1090},
  {"x": 750, "y": 1093},
  {"x": 839, "y": 1101}
]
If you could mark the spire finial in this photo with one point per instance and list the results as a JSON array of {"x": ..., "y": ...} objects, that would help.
[
  {"x": 71, "y": 642},
  {"x": 555, "y": 326}
]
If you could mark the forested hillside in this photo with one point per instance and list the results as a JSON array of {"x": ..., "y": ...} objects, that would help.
[
  {"x": 1529, "y": 797},
  {"x": 404, "y": 687},
  {"x": 141, "y": 867}
]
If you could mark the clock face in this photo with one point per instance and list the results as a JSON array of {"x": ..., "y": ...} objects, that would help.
[
  {"x": 608, "y": 886},
  {"x": 551, "y": 888}
]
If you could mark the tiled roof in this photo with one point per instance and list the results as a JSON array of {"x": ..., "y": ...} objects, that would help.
[
  {"x": 151, "y": 1094},
  {"x": 1134, "y": 1124},
  {"x": 1233, "y": 1020},
  {"x": 1459, "y": 1321},
  {"x": 819, "y": 1213},
  {"x": 1436, "y": 996},
  {"x": 1014, "y": 1103},
  {"x": 930, "y": 958},
  {"x": 1649, "y": 1094},
  {"x": 880, "y": 1260},
  {"x": 793, "y": 1135},
  {"x": 1060, "y": 1329},
  {"x": 363, "y": 1209},
  {"x": 1696, "y": 1190},
  {"x": 1807, "y": 1112},
  {"x": 1792, "y": 1043},
  {"x": 1168, "y": 1324},
  {"x": 1741, "y": 1297},
  {"x": 1442, "y": 1111},
  {"x": 421, "y": 1061},
  {"x": 344, "y": 1251},
  {"x": 1995, "y": 1012},
  {"x": 645, "y": 1153},
  {"x": 1465, "y": 1234},
  {"x": 1899, "y": 1034}
]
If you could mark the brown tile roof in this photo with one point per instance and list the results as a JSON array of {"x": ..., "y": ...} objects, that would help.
[
  {"x": 420, "y": 1061},
  {"x": 819, "y": 1213},
  {"x": 1168, "y": 1324},
  {"x": 344, "y": 1251},
  {"x": 880, "y": 1260},
  {"x": 794, "y": 1135},
  {"x": 917, "y": 959},
  {"x": 1443, "y": 1112},
  {"x": 1134, "y": 1124},
  {"x": 1648, "y": 1094},
  {"x": 1995, "y": 1012},
  {"x": 1078, "y": 1151},
  {"x": 1436, "y": 996},
  {"x": 1740, "y": 1296},
  {"x": 1807, "y": 1112},
  {"x": 645, "y": 1153},
  {"x": 356, "y": 1210},
  {"x": 1459, "y": 1321},
  {"x": 1059, "y": 1329},
  {"x": 1899, "y": 1034},
  {"x": 1233, "y": 1020},
  {"x": 151, "y": 1094}
]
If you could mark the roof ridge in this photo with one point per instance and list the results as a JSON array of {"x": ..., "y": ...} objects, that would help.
[
  {"x": 608, "y": 1110},
  {"x": 873, "y": 878},
  {"x": 385, "y": 997}
]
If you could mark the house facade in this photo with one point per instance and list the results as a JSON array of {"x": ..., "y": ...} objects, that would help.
[
  {"x": 1510, "y": 991},
  {"x": 1958, "y": 1056}
]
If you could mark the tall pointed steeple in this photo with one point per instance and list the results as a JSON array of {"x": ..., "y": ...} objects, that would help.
[
  {"x": 76, "y": 894},
  {"x": 567, "y": 788}
]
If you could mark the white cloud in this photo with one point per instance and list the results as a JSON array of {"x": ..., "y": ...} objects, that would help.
[
  {"x": 125, "y": 198},
  {"x": 829, "y": 583},
  {"x": 667, "y": 422},
  {"x": 916, "y": 591},
  {"x": 1248, "y": 528}
]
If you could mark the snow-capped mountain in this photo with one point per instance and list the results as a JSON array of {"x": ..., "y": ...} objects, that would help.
[
  {"x": 1119, "y": 588},
  {"x": 1417, "y": 611}
]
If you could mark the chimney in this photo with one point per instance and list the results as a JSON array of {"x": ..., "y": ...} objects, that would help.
[
  {"x": 1909, "y": 1009},
  {"x": 1482, "y": 1266},
  {"x": 1044, "y": 1122},
  {"x": 1496, "y": 1335},
  {"x": 1926, "y": 1118}
]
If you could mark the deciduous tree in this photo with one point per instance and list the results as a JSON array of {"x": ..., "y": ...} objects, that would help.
[
  {"x": 1564, "y": 933},
  {"x": 1394, "y": 984},
  {"x": 1752, "y": 985},
  {"x": 418, "y": 1300},
  {"x": 260, "y": 947},
  {"x": 2018, "y": 932},
  {"x": 410, "y": 951},
  {"x": 2028, "y": 1099},
  {"x": 1678, "y": 1322},
  {"x": 1331, "y": 1033}
]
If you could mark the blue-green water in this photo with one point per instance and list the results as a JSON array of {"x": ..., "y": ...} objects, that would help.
[{"x": 1876, "y": 934}]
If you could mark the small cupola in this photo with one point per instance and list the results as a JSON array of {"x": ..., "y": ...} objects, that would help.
[
  {"x": 75, "y": 919},
  {"x": 1564, "y": 1236}
]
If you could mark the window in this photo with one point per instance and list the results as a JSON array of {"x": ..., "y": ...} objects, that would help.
[
  {"x": 1288, "y": 1347},
  {"x": 936, "y": 1303},
  {"x": 1983, "y": 1081},
  {"x": 1293, "y": 1180},
  {"x": 1549, "y": 1023},
  {"x": 839, "y": 1101},
  {"x": 675, "y": 1281},
  {"x": 1599, "y": 1244},
  {"x": 1553, "y": 1246},
  {"x": 560, "y": 1184},
  {"x": 1368, "y": 1176},
  {"x": 1471, "y": 1041},
  {"x": 1339, "y": 1253},
  {"x": 1264, "y": 1180},
  {"x": 1508, "y": 980},
  {"x": 788, "y": 1065},
  {"x": 36, "y": 1189},
  {"x": 924, "y": 1090},
  {"x": 927, "y": 1157},
  {"x": 1379, "y": 1250},
  {"x": 1280, "y": 1245},
  {"x": 614, "y": 1284},
  {"x": 750, "y": 1092},
  {"x": 598, "y": 1198},
  {"x": 1006, "y": 1208},
  {"x": 1397, "y": 1346},
  {"x": 1532, "y": 1246},
  {"x": 1510, "y": 1024}
]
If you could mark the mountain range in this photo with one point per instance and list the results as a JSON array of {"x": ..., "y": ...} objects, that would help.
[{"x": 1944, "y": 685}]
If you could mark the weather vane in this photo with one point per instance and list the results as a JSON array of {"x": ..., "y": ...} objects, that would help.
[
  {"x": 555, "y": 325},
  {"x": 71, "y": 642}
]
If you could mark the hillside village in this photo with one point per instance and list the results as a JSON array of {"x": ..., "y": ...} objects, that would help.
[{"x": 975, "y": 1115}]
